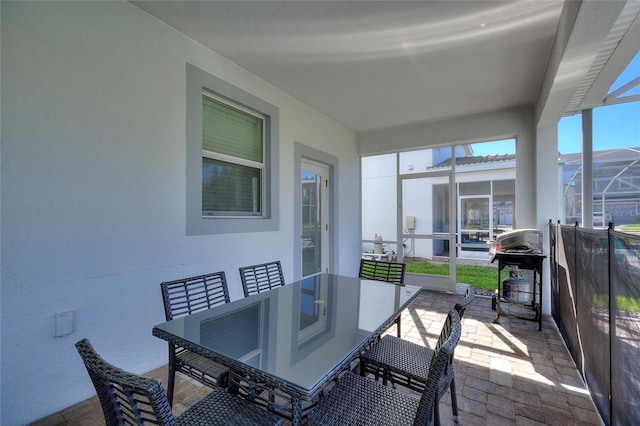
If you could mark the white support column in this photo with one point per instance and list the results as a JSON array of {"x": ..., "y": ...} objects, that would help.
[
  {"x": 548, "y": 202},
  {"x": 587, "y": 168}
]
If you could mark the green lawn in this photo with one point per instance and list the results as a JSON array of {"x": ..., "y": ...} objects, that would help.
[
  {"x": 481, "y": 277},
  {"x": 635, "y": 227},
  {"x": 624, "y": 303},
  {"x": 485, "y": 278}
]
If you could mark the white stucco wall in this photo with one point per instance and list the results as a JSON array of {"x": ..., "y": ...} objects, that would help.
[
  {"x": 93, "y": 191},
  {"x": 379, "y": 187}
]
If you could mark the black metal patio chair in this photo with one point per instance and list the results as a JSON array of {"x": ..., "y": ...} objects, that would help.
[
  {"x": 262, "y": 277},
  {"x": 356, "y": 400},
  {"x": 131, "y": 399},
  {"x": 184, "y": 297},
  {"x": 391, "y": 272},
  {"x": 406, "y": 363}
]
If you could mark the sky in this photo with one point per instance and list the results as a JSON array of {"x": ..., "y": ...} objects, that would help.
[{"x": 614, "y": 126}]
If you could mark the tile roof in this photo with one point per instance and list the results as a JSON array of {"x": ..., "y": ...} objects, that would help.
[{"x": 477, "y": 159}]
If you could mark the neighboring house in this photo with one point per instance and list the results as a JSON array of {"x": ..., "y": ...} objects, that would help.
[{"x": 616, "y": 186}]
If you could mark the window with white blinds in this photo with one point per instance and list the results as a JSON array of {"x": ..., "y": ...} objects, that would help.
[{"x": 232, "y": 159}]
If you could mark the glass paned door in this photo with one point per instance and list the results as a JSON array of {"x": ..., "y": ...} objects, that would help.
[
  {"x": 476, "y": 218},
  {"x": 427, "y": 238},
  {"x": 315, "y": 227}
]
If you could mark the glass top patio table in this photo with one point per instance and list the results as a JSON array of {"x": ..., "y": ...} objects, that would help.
[{"x": 297, "y": 337}]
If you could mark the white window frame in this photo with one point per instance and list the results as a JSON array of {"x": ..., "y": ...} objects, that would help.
[{"x": 212, "y": 155}]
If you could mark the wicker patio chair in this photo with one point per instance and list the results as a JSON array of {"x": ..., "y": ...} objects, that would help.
[
  {"x": 391, "y": 272},
  {"x": 184, "y": 297},
  {"x": 262, "y": 277},
  {"x": 406, "y": 363},
  {"x": 131, "y": 399},
  {"x": 356, "y": 400}
]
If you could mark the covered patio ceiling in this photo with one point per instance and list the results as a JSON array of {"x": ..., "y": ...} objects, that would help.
[{"x": 373, "y": 65}]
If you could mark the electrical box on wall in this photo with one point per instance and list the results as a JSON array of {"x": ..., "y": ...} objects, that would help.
[
  {"x": 410, "y": 222},
  {"x": 63, "y": 323}
]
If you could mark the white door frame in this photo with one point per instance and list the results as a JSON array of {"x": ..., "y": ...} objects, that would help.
[
  {"x": 435, "y": 282},
  {"x": 321, "y": 170},
  {"x": 302, "y": 153}
]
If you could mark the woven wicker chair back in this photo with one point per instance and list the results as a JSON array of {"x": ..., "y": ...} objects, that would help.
[
  {"x": 189, "y": 295},
  {"x": 463, "y": 304},
  {"x": 126, "y": 398},
  {"x": 391, "y": 272},
  {"x": 441, "y": 368},
  {"x": 262, "y": 277}
]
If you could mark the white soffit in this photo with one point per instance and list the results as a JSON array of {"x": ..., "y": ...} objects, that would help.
[{"x": 619, "y": 47}]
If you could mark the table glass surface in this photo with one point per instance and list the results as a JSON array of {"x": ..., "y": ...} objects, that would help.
[{"x": 298, "y": 332}]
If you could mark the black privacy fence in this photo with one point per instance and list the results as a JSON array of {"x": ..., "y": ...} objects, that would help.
[{"x": 595, "y": 301}]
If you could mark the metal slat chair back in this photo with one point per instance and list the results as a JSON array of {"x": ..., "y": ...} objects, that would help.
[
  {"x": 190, "y": 295},
  {"x": 391, "y": 272},
  {"x": 184, "y": 297},
  {"x": 263, "y": 277}
]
